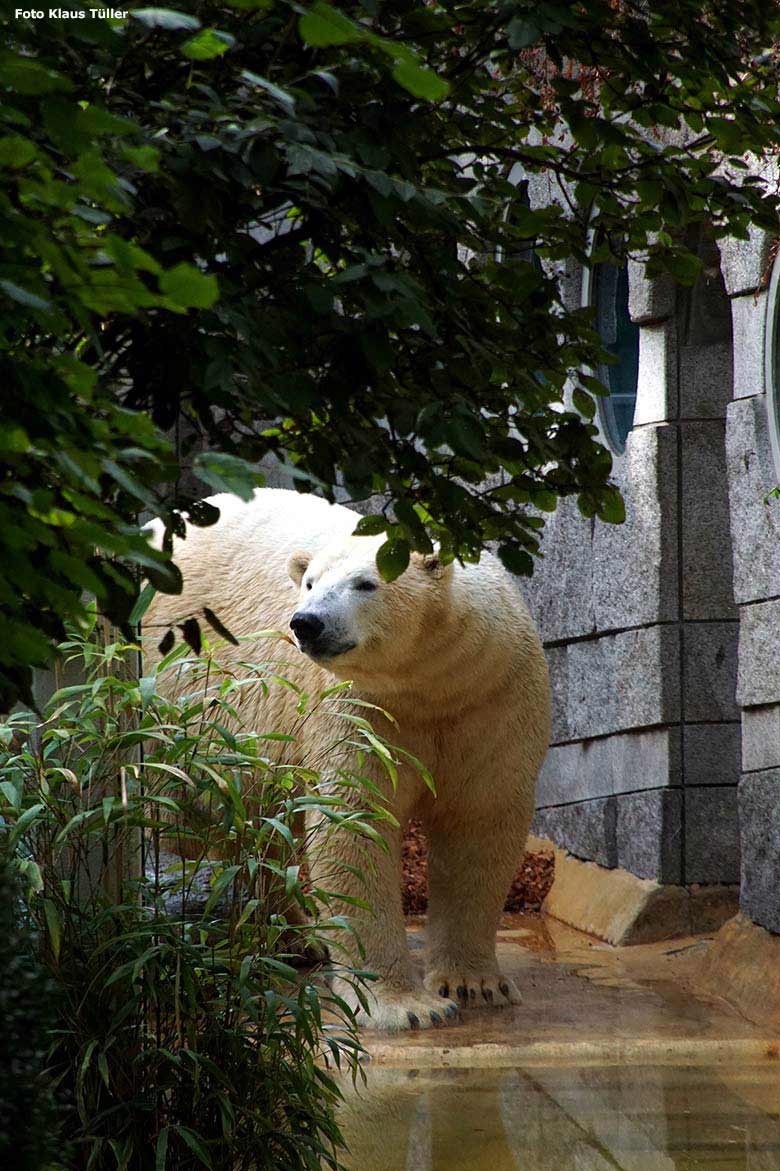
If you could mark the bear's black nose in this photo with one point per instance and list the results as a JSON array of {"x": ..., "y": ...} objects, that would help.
[{"x": 306, "y": 627}]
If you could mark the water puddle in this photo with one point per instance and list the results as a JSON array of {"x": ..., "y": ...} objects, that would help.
[{"x": 595, "y": 1118}]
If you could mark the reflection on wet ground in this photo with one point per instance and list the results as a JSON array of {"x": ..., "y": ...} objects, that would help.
[
  {"x": 615, "y": 1118},
  {"x": 630, "y": 1003},
  {"x": 612, "y": 1063}
]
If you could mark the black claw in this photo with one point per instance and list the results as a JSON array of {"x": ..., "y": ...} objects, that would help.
[
  {"x": 463, "y": 992},
  {"x": 444, "y": 990},
  {"x": 472, "y": 994},
  {"x": 504, "y": 990},
  {"x": 488, "y": 994},
  {"x": 414, "y": 1020},
  {"x": 435, "y": 1017},
  {"x": 451, "y": 1010}
]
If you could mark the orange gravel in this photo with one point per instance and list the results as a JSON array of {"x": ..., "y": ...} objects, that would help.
[{"x": 532, "y": 881}]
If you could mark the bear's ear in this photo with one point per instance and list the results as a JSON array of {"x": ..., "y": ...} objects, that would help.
[
  {"x": 297, "y": 565},
  {"x": 431, "y": 564}
]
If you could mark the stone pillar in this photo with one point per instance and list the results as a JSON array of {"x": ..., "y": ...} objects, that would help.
[
  {"x": 753, "y": 471},
  {"x": 640, "y": 621}
]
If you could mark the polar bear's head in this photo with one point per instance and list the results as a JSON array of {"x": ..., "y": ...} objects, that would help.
[{"x": 350, "y": 620}]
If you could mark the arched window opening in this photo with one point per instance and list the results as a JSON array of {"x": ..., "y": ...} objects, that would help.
[{"x": 620, "y": 335}]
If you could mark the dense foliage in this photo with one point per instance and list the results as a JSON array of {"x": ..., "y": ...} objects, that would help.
[
  {"x": 28, "y": 1124},
  {"x": 179, "y": 1033},
  {"x": 268, "y": 226}
]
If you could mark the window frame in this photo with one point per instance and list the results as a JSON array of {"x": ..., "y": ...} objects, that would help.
[{"x": 772, "y": 362}]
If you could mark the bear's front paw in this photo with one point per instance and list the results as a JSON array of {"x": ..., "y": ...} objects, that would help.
[
  {"x": 473, "y": 989},
  {"x": 396, "y": 1010}
]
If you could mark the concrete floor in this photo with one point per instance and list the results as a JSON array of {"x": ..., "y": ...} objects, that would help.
[{"x": 612, "y": 1062}]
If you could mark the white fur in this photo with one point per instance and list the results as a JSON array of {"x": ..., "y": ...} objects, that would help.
[{"x": 453, "y": 654}]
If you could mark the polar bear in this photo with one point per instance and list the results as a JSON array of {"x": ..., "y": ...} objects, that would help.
[{"x": 452, "y": 652}]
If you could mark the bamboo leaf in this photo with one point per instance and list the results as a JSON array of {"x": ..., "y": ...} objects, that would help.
[
  {"x": 54, "y": 927},
  {"x": 161, "y": 1150},
  {"x": 193, "y": 1141}
]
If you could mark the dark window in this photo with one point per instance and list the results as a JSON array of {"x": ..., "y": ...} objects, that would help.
[{"x": 621, "y": 337}]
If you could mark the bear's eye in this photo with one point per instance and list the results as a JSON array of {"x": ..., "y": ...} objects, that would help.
[
  {"x": 308, "y": 585},
  {"x": 365, "y": 584}
]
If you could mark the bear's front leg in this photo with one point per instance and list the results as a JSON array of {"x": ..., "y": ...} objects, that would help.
[
  {"x": 343, "y": 863},
  {"x": 471, "y": 864}
]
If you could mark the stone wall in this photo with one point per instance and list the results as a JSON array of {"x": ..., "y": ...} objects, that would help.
[
  {"x": 640, "y": 620},
  {"x": 753, "y": 471}
]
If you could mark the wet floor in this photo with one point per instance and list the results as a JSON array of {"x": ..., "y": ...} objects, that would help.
[
  {"x": 614, "y": 1061},
  {"x": 632, "y": 1118}
]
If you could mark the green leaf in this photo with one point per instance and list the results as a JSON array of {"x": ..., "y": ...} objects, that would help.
[
  {"x": 517, "y": 561},
  {"x": 370, "y": 526},
  {"x": 11, "y": 793},
  {"x": 23, "y": 296},
  {"x": 227, "y": 473},
  {"x": 165, "y": 577},
  {"x": 165, "y": 18},
  {"x": 146, "y": 158},
  {"x": 584, "y": 403},
  {"x": 323, "y": 25},
  {"x": 420, "y": 81},
  {"x": 392, "y": 558},
  {"x": 684, "y": 266},
  {"x": 147, "y": 686},
  {"x": 209, "y": 42},
  {"x": 465, "y": 434},
  {"x": 14, "y": 438},
  {"x": 218, "y": 885},
  {"x": 286, "y": 100},
  {"x": 26, "y": 76},
  {"x": 54, "y": 927},
  {"x": 522, "y": 32},
  {"x": 161, "y": 1151},
  {"x": 188, "y": 287},
  {"x": 407, "y": 515},
  {"x": 545, "y": 500},
  {"x": 142, "y": 604},
  {"x": 22, "y": 823},
  {"x": 613, "y": 509},
  {"x": 16, "y": 151}
]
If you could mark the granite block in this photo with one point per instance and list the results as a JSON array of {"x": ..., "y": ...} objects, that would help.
[
  {"x": 649, "y": 300},
  {"x": 635, "y": 564},
  {"x": 755, "y": 521},
  {"x": 587, "y": 829},
  {"x": 560, "y": 593},
  {"x": 649, "y": 834},
  {"x": 711, "y": 754},
  {"x": 761, "y": 737},
  {"x": 706, "y": 377},
  {"x": 620, "y": 681},
  {"x": 759, "y": 815},
  {"x": 710, "y": 671},
  {"x": 639, "y": 832},
  {"x": 656, "y": 390},
  {"x": 748, "y": 319},
  {"x": 759, "y": 661},
  {"x": 745, "y": 263},
  {"x": 613, "y": 764},
  {"x": 558, "y": 667},
  {"x": 707, "y": 578},
  {"x": 711, "y": 835}
]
